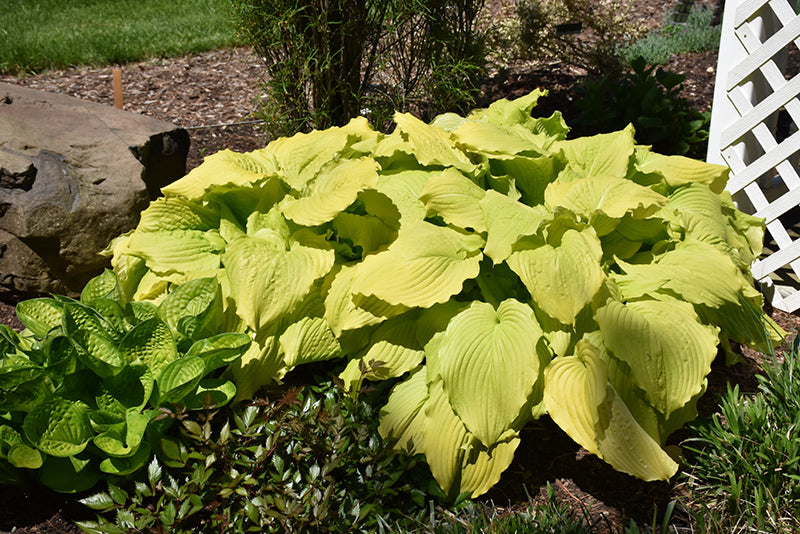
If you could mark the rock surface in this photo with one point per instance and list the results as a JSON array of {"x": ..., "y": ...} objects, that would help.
[{"x": 73, "y": 175}]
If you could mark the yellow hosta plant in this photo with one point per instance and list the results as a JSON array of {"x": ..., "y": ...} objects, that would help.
[{"x": 491, "y": 268}]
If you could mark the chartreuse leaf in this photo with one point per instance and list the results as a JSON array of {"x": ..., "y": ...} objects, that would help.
[
  {"x": 679, "y": 170},
  {"x": 182, "y": 251},
  {"x": 531, "y": 174},
  {"x": 341, "y": 313},
  {"x": 429, "y": 264},
  {"x": 404, "y": 188},
  {"x": 491, "y": 138},
  {"x": 40, "y": 315},
  {"x": 580, "y": 401},
  {"x": 128, "y": 464},
  {"x": 455, "y": 198},
  {"x": 260, "y": 365},
  {"x": 150, "y": 342},
  {"x": 365, "y": 231},
  {"x": 336, "y": 187},
  {"x": 58, "y": 427},
  {"x": 431, "y": 145},
  {"x": 403, "y": 418},
  {"x": 267, "y": 280},
  {"x": 506, "y": 221},
  {"x": 599, "y": 155},
  {"x": 123, "y": 439},
  {"x": 129, "y": 389},
  {"x": 178, "y": 213},
  {"x": 308, "y": 340},
  {"x": 506, "y": 112},
  {"x": 302, "y": 156},
  {"x": 223, "y": 167},
  {"x": 24, "y": 457},
  {"x": 456, "y": 461},
  {"x": 488, "y": 363},
  {"x": 562, "y": 273},
  {"x": 393, "y": 351},
  {"x": 668, "y": 350},
  {"x": 603, "y": 200}
]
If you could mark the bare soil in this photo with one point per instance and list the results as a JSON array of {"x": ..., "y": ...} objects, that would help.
[{"x": 215, "y": 96}]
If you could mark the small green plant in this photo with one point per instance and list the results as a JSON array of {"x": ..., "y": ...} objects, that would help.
[
  {"x": 694, "y": 36},
  {"x": 328, "y": 62},
  {"x": 649, "y": 98},
  {"x": 84, "y": 387},
  {"x": 745, "y": 460},
  {"x": 304, "y": 459}
]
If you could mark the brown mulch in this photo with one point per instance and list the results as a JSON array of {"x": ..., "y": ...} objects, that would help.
[{"x": 215, "y": 96}]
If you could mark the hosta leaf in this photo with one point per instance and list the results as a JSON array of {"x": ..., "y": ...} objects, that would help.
[
  {"x": 68, "y": 475},
  {"x": 260, "y": 365},
  {"x": 150, "y": 342},
  {"x": 127, "y": 465},
  {"x": 365, "y": 231},
  {"x": 24, "y": 457},
  {"x": 531, "y": 175},
  {"x": 393, "y": 347},
  {"x": 603, "y": 154},
  {"x": 402, "y": 418},
  {"x": 267, "y": 282},
  {"x": 341, "y": 313},
  {"x": 458, "y": 463},
  {"x": 404, "y": 188},
  {"x": 429, "y": 264},
  {"x": 580, "y": 401},
  {"x": 179, "y": 378},
  {"x": 607, "y": 195},
  {"x": 223, "y": 167},
  {"x": 455, "y": 198},
  {"x": 496, "y": 139},
  {"x": 332, "y": 192},
  {"x": 130, "y": 388},
  {"x": 220, "y": 350},
  {"x": 506, "y": 221},
  {"x": 301, "y": 156},
  {"x": 40, "y": 315},
  {"x": 211, "y": 393},
  {"x": 98, "y": 352},
  {"x": 431, "y": 145},
  {"x": 103, "y": 286},
  {"x": 679, "y": 170},
  {"x": 308, "y": 340},
  {"x": 194, "y": 298},
  {"x": 58, "y": 427},
  {"x": 179, "y": 251},
  {"x": 562, "y": 275},
  {"x": 488, "y": 364},
  {"x": 177, "y": 213},
  {"x": 668, "y": 350}
]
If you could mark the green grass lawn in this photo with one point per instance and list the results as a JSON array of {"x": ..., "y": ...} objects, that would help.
[{"x": 37, "y": 35}]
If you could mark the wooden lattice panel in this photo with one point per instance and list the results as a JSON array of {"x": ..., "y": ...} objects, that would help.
[{"x": 753, "y": 131}]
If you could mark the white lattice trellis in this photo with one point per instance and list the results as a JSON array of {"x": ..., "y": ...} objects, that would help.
[{"x": 751, "y": 89}]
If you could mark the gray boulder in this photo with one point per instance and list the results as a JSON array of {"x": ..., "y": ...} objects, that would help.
[{"x": 73, "y": 175}]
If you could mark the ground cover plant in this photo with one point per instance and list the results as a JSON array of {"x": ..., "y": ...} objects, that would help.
[
  {"x": 51, "y": 34},
  {"x": 744, "y": 469},
  {"x": 694, "y": 35},
  {"x": 477, "y": 259}
]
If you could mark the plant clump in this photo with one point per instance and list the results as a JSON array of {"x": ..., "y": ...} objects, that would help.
[{"x": 490, "y": 268}]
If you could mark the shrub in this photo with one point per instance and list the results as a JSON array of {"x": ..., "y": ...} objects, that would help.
[
  {"x": 329, "y": 62},
  {"x": 83, "y": 387},
  {"x": 539, "y": 32},
  {"x": 649, "y": 98},
  {"x": 301, "y": 460},
  {"x": 497, "y": 269}
]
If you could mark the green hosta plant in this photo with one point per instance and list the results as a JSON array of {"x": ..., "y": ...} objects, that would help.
[
  {"x": 494, "y": 269},
  {"x": 83, "y": 387}
]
